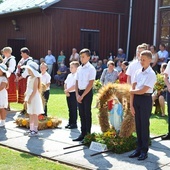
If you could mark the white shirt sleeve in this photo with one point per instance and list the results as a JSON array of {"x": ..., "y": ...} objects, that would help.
[
  {"x": 128, "y": 71},
  {"x": 54, "y": 60},
  {"x": 25, "y": 73},
  {"x": 167, "y": 70},
  {"x": 48, "y": 79},
  {"x": 66, "y": 80},
  {"x": 12, "y": 65},
  {"x": 71, "y": 57},
  {"x": 135, "y": 77},
  {"x": 150, "y": 81},
  {"x": 4, "y": 80},
  {"x": 92, "y": 75}
]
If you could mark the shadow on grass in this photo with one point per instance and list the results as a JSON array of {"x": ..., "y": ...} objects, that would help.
[{"x": 26, "y": 155}]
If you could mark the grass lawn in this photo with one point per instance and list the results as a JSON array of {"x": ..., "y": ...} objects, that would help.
[
  {"x": 57, "y": 107},
  {"x": 14, "y": 160}
]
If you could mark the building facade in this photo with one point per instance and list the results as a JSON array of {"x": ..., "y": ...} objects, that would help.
[{"x": 103, "y": 26}]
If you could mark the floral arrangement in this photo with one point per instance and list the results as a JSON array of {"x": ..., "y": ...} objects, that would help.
[
  {"x": 44, "y": 122},
  {"x": 117, "y": 81},
  {"x": 121, "y": 92},
  {"x": 97, "y": 85},
  {"x": 159, "y": 85},
  {"x": 112, "y": 140}
]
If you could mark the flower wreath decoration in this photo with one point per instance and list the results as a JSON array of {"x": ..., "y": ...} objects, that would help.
[{"x": 121, "y": 92}]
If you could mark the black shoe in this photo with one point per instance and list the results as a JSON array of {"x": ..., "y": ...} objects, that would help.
[
  {"x": 83, "y": 142},
  {"x": 67, "y": 126},
  {"x": 142, "y": 156},
  {"x": 167, "y": 137},
  {"x": 72, "y": 127},
  {"x": 134, "y": 154},
  {"x": 23, "y": 112},
  {"x": 80, "y": 138}
]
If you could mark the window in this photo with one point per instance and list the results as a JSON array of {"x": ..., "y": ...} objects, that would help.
[
  {"x": 165, "y": 27},
  {"x": 165, "y": 2},
  {"x": 90, "y": 39}
]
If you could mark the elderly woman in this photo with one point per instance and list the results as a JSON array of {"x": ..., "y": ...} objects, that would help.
[{"x": 109, "y": 74}]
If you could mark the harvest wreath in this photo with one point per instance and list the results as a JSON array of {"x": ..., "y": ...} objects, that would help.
[
  {"x": 116, "y": 136},
  {"x": 43, "y": 122}
]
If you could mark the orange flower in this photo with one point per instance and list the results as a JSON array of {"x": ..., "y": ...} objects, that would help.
[
  {"x": 24, "y": 122},
  {"x": 49, "y": 123}
]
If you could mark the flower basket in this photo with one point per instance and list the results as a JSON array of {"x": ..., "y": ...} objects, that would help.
[
  {"x": 43, "y": 122},
  {"x": 160, "y": 84},
  {"x": 97, "y": 85}
]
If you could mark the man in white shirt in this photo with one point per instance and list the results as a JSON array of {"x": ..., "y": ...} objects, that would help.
[
  {"x": 86, "y": 75},
  {"x": 134, "y": 65},
  {"x": 162, "y": 56},
  {"x": 167, "y": 82},
  {"x": 50, "y": 61},
  {"x": 141, "y": 104}
]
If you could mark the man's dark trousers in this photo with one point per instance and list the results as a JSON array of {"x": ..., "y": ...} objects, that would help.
[
  {"x": 85, "y": 112},
  {"x": 143, "y": 107},
  {"x": 72, "y": 108}
]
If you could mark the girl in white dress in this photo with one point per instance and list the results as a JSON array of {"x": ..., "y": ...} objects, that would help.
[
  {"x": 3, "y": 94},
  {"x": 33, "y": 97}
]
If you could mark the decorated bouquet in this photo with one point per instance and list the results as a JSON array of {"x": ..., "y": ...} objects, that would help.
[
  {"x": 160, "y": 84},
  {"x": 97, "y": 85},
  {"x": 43, "y": 122}
]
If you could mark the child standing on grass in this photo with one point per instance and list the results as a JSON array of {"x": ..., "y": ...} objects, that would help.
[
  {"x": 46, "y": 80},
  {"x": 3, "y": 94},
  {"x": 33, "y": 97},
  {"x": 86, "y": 75},
  {"x": 69, "y": 89},
  {"x": 141, "y": 103}
]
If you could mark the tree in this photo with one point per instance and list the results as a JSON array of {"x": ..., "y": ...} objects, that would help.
[{"x": 1, "y": 1}]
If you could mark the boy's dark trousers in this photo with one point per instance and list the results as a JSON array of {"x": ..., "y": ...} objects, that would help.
[
  {"x": 85, "y": 112},
  {"x": 168, "y": 102},
  {"x": 46, "y": 96},
  {"x": 143, "y": 107},
  {"x": 72, "y": 108}
]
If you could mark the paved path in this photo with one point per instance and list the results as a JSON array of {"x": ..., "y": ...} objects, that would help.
[{"x": 52, "y": 142}]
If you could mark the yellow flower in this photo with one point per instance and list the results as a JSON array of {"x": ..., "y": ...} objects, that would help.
[
  {"x": 24, "y": 122},
  {"x": 49, "y": 123},
  {"x": 160, "y": 82}
]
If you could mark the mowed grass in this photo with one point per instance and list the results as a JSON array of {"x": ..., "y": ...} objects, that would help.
[
  {"x": 14, "y": 160},
  {"x": 57, "y": 106}
]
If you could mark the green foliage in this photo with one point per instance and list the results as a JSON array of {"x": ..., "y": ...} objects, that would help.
[
  {"x": 159, "y": 85},
  {"x": 115, "y": 143},
  {"x": 1, "y": 1},
  {"x": 97, "y": 85}
]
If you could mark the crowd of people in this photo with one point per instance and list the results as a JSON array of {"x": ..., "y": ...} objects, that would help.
[{"x": 28, "y": 77}]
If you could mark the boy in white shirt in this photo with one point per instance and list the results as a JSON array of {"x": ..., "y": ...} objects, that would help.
[
  {"x": 86, "y": 74},
  {"x": 134, "y": 65},
  {"x": 46, "y": 80},
  {"x": 69, "y": 89},
  {"x": 141, "y": 104}
]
